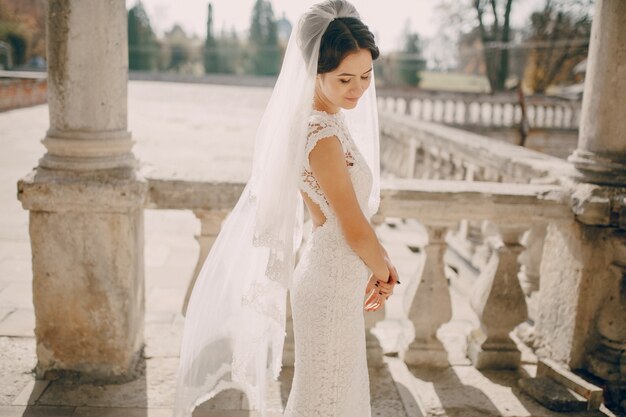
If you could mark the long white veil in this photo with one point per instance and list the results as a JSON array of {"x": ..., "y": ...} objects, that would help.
[{"x": 234, "y": 328}]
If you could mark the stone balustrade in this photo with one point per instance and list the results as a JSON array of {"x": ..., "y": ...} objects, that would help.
[
  {"x": 482, "y": 110},
  {"x": 416, "y": 149},
  {"x": 440, "y": 205},
  {"x": 413, "y": 148}
]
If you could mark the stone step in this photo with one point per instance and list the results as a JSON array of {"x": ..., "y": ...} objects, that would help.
[
  {"x": 553, "y": 395},
  {"x": 560, "y": 389}
]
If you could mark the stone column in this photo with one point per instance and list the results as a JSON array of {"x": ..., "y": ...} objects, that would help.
[
  {"x": 431, "y": 306},
  {"x": 499, "y": 303},
  {"x": 594, "y": 336},
  {"x": 210, "y": 225},
  {"x": 86, "y": 201},
  {"x": 601, "y": 153}
]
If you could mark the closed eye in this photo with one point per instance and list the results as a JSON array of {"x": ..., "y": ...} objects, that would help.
[{"x": 344, "y": 81}]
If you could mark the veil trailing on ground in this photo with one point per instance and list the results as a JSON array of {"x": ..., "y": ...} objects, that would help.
[{"x": 234, "y": 328}]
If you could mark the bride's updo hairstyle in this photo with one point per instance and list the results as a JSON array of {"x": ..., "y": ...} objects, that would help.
[
  {"x": 330, "y": 30},
  {"x": 343, "y": 36}
]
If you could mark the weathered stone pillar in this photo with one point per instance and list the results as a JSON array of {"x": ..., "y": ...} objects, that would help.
[
  {"x": 592, "y": 333},
  {"x": 86, "y": 201},
  {"x": 601, "y": 152},
  {"x": 499, "y": 303},
  {"x": 431, "y": 306}
]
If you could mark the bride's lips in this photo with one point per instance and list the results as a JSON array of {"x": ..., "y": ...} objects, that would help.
[{"x": 352, "y": 100}]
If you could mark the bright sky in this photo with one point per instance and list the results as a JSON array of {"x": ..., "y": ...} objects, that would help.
[{"x": 386, "y": 18}]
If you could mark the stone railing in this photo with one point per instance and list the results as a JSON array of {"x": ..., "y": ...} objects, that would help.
[
  {"x": 412, "y": 148},
  {"x": 482, "y": 110},
  {"x": 439, "y": 205},
  {"x": 416, "y": 149}
]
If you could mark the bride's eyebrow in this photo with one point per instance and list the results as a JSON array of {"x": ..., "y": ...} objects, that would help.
[{"x": 352, "y": 75}]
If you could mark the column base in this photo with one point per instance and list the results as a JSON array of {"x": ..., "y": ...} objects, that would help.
[
  {"x": 493, "y": 359},
  {"x": 597, "y": 169},
  {"x": 430, "y": 355},
  {"x": 87, "y": 239},
  {"x": 608, "y": 362},
  {"x": 88, "y": 150}
]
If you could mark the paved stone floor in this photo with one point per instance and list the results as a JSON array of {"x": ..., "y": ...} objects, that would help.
[{"x": 207, "y": 131}]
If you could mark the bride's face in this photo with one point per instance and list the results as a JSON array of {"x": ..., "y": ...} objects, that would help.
[{"x": 344, "y": 86}]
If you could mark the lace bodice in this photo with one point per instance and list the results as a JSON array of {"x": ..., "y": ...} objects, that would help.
[{"x": 323, "y": 125}]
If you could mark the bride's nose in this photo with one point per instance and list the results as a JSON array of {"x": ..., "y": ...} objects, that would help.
[{"x": 360, "y": 87}]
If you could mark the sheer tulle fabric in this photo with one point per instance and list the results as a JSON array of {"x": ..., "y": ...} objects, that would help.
[{"x": 235, "y": 322}]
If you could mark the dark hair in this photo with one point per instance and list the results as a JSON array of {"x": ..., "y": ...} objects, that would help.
[{"x": 343, "y": 36}]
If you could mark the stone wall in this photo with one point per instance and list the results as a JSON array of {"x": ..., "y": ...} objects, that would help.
[{"x": 16, "y": 93}]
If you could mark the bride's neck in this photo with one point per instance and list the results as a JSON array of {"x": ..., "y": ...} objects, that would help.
[{"x": 319, "y": 103}]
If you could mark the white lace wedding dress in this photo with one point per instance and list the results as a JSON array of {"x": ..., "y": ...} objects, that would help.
[{"x": 330, "y": 374}]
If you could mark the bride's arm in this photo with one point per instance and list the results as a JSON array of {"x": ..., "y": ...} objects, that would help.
[{"x": 327, "y": 162}]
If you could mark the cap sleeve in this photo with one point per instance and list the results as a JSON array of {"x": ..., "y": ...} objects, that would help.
[{"x": 320, "y": 128}]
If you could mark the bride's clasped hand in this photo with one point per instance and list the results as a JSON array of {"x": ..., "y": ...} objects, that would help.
[{"x": 377, "y": 290}]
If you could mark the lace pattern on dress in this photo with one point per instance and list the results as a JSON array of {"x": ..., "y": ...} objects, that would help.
[{"x": 323, "y": 125}]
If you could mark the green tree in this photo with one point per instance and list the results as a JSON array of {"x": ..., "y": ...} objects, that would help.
[
  {"x": 410, "y": 61},
  {"x": 210, "y": 53},
  {"x": 230, "y": 53},
  {"x": 265, "y": 53},
  {"x": 143, "y": 48},
  {"x": 181, "y": 49}
]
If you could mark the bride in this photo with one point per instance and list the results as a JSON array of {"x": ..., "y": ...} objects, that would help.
[{"x": 317, "y": 143}]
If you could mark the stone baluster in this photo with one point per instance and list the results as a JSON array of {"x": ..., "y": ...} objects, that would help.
[
  {"x": 507, "y": 109},
  {"x": 517, "y": 114},
  {"x": 530, "y": 259},
  {"x": 398, "y": 105},
  {"x": 210, "y": 225},
  {"x": 487, "y": 113},
  {"x": 531, "y": 113},
  {"x": 407, "y": 106},
  {"x": 418, "y": 106},
  {"x": 423, "y": 109},
  {"x": 574, "y": 116},
  {"x": 466, "y": 113},
  {"x": 558, "y": 116},
  {"x": 430, "y": 306},
  {"x": 86, "y": 202},
  {"x": 388, "y": 104},
  {"x": 495, "y": 107},
  {"x": 499, "y": 302},
  {"x": 439, "y": 111},
  {"x": 412, "y": 155}
]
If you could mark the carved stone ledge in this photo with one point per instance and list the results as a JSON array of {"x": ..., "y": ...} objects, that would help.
[{"x": 596, "y": 205}]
